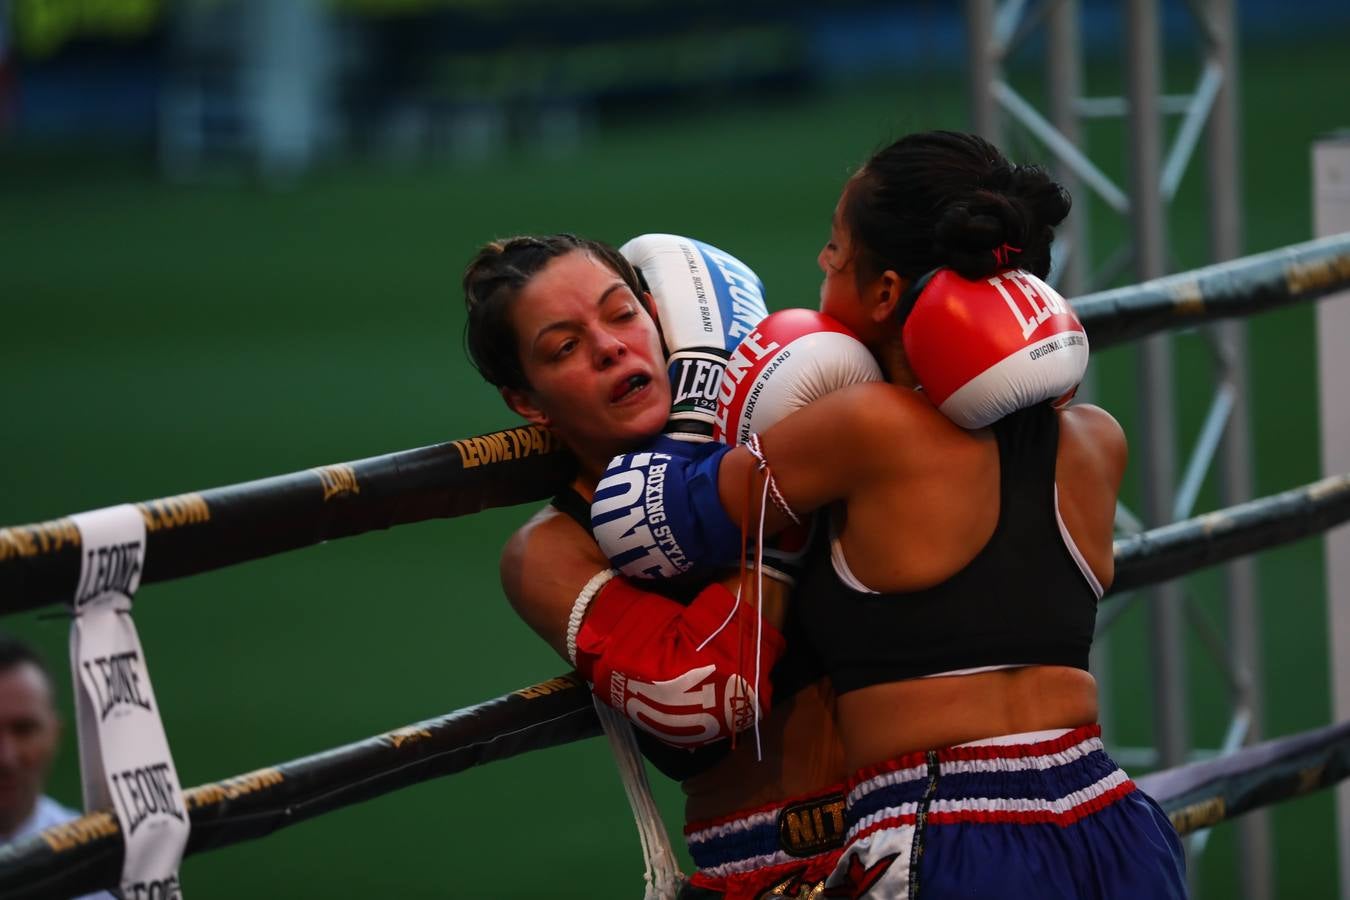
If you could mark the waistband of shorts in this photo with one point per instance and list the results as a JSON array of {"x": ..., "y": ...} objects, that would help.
[
  {"x": 991, "y": 755},
  {"x": 1003, "y": 781},
  {"x": 777, "y": 833}
]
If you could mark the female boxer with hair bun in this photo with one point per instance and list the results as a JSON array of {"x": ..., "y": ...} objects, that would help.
[
  {"x": 954, "y": 608},
  {"x": 561, "y": 326}
]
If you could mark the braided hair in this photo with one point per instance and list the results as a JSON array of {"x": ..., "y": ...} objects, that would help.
[{"x": 944, "y": 198}]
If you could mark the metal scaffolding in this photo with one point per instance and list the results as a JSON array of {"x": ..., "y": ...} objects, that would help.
[{"x": 1155, "y": 171}]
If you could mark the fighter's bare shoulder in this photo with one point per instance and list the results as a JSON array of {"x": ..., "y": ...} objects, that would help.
[
  {"x": 544, "y": 565},
  {"x": 880, "y": 410},
  {"x": 1098, "y": 433},
  {"x": 870, "y": 407}
]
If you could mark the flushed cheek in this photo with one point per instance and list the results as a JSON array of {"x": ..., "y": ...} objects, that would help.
[{"x": 832, "y": 301}]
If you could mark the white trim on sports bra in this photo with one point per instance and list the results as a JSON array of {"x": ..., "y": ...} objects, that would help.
[
  {"x": 845, "y": 575},
  {"x": 837, "y": 560},
  {"x": 1077, "y": 555}
]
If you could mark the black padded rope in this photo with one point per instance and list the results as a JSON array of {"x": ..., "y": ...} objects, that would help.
[
  {"x": 1242, "y": 287},
  {"x": 86, "y": 854},
  {"x": 1203, "y": 794},
  {"x": 197, "y": 532},
  {"x": 1167, "y": 552}
]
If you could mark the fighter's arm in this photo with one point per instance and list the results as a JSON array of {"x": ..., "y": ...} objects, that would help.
[
  {"x": 834, "y": 448},
  {"x": 544, "y": 566},
  {"x": 1088, "y": 473},
  {"x": 844, "y": 443},
  {"x": 687, "y": 673},
  {"x": 981, "y": 350},
  {"x": 550, "y": 559}
]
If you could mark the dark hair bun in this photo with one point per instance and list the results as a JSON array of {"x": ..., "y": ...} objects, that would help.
[
  {"x": 1045, "y": 199},
  {"x": 945, "y": 198},
  {"x": 969, "y": 233},
  {"x": 1010, "y": 220}
]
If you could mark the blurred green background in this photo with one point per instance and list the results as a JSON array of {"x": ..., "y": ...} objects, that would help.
[{"x": 159, "y": 338}]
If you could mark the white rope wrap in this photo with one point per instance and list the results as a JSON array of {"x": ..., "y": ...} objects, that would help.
[
  {"x": 579, "y": 607},
  {"x": 662, "y": 873},
  {"x": 771, "y": 485}
]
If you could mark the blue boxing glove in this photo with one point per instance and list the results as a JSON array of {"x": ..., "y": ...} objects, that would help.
[{"x": 657, "y": 515}]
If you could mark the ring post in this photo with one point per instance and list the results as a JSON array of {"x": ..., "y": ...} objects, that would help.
[{"x": 1331, "y": 212}]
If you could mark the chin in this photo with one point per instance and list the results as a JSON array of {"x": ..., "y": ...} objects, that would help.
[
  {"x": 638, "y": 431},
  {"x": 653, "y": 421},
  {"x": 644, "y": 430}
]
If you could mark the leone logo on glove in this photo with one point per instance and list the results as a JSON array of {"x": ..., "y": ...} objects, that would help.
[
  {"x": 684, "y": 710},
  {"x": 983, "y": 349},
  {"x": 695, "y": 378}
]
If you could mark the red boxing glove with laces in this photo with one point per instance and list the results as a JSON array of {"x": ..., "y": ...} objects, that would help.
[{"x": 684, "y": 673}]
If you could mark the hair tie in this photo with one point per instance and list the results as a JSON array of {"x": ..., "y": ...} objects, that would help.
[{"x": 1003, "y": 253}]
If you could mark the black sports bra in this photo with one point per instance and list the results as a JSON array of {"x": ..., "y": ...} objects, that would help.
[{"x": 1027, "y": 598}]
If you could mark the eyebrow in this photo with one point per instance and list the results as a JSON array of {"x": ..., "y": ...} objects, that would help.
[{"x": 567, "y": 323}]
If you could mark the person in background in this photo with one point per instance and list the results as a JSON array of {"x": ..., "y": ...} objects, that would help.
[{"x": 30, "y": 731}]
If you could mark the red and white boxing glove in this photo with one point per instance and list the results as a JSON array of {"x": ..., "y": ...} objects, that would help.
[
  {"x": 983, "y": 349},
  {"x": 793, "y": 357},
  {"x": 674, "y": 670}
]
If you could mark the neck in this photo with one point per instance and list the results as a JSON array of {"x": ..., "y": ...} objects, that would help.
[
  {"x": 894, "y": 363},
  {"x": 12, "y": 820},
  {"x": 589, "y": 473},
  {"x": 584, "y": 484}
]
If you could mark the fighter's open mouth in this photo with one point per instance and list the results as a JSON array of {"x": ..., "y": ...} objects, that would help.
[{"x": 627, "y": 388}]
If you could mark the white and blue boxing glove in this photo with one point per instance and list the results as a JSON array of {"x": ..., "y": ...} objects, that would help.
[{"x": 706, "y": 301}]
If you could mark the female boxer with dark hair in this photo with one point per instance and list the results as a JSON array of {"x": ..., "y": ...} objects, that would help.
[
  {"x": 955, "y": 607},
  {"x": 560, "y": 325}
]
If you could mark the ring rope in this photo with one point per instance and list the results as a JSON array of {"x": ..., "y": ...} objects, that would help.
[
  {"x": 1166, "y": 552},
  {"x": 197, "y": 532},
  {"x": 86, "y": 854}
]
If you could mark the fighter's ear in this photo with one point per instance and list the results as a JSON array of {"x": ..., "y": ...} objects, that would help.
[
  {"x": 910, "y": 291},
  {"x": 888, "y": 291},
  {"x": 524, "y": 404}
]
